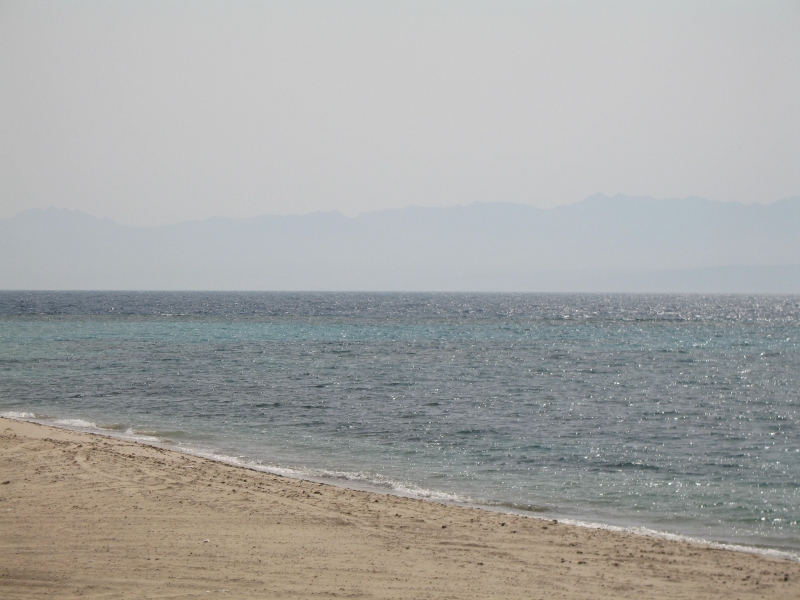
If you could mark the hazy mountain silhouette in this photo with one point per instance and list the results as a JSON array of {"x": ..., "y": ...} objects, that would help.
[{"x": 600, "y": 244}]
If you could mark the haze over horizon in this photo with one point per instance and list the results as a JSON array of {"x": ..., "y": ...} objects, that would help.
[
  {"x": 398, "y": 208},
  {"x": 152, "y": 113},
  {"x": 605, "y": 244}
]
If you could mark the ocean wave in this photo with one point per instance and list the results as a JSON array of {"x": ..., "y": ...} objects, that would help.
[
  {"x": 364, "y": 481},
  {"x": 17, "y": 416},
  {"x": 376, "y": 483},
  {"x": 117, "y": 430},
  {"x": 132, "y": 434},
  {"x": 350, "y": 479},
  {"x": 75, "y": 423},
  {"x": 676, "y": 537}
]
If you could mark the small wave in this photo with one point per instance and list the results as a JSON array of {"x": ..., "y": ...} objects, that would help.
[
  {"x": 75, "y": 423},
  {"x": 349, "y": 479},
  {"x": 377, "y": 483},
  {"x": 114, "y": 426},
  {"x": 17, "y": 416},
  {"x": 676, "y": 537},
  {"x": 113, "y": 429},
  {"x": 517, "y": 506},
  {"x": 132, "y": 434}
]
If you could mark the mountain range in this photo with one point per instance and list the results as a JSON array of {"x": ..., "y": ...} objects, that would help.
[{"x": 601, "y": 244}]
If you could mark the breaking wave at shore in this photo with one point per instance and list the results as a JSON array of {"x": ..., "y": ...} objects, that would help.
[
  {"x": 658, "y": 413},
  {"x": 363, "y": 482}
]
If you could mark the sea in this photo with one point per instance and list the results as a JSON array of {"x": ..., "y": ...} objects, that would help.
[{"x": 667, "y": 415}]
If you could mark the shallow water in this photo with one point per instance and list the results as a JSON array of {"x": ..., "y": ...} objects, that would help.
[{"x": 676, "y": 413}]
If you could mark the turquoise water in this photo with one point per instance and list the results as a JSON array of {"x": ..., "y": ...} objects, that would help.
[{"x": 674, "y": 413}]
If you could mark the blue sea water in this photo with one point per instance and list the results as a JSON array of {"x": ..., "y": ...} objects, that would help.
[{"x": 673, "y": 413}]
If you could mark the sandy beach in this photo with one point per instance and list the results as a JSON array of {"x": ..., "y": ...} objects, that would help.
[{"x": 89, "y": 516}]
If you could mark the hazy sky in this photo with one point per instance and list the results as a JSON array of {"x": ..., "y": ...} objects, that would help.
[{"x": 157, "y": 112}]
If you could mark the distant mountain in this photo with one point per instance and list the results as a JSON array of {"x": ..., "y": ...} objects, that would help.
[{"x": 603, "y": 243}]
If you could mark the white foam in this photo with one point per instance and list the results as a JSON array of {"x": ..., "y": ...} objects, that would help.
[
  {"x": 131, "y": 434},
  {"x": 676, "y": 537},
  {"x": 349, "y": 479},
  {"x": 362, "y": 481},
  {"x": 17, "y": 416},
  {"x": 75, "y": 423}
]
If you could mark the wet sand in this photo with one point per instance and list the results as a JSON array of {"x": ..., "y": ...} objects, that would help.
[{"x": 89, "y": 516}]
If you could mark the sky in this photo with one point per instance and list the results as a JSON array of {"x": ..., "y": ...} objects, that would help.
[{"x": 160, "y": 112}]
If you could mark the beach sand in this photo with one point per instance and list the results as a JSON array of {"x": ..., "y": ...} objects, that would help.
[{"x": 83, "y": 515}]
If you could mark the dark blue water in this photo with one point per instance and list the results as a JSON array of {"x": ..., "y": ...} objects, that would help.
[{"x": 676, "y": 413}]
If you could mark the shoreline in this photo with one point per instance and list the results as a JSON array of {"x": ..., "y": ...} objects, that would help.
[
  {"x": 93, "y": 429},
  {"x": 100, "y": 516}
]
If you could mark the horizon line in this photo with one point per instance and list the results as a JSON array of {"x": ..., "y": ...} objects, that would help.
[{"x": 402, "y": 208}]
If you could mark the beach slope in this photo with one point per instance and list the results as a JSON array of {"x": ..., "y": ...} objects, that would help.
[{"x": 89, "y": 516}]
